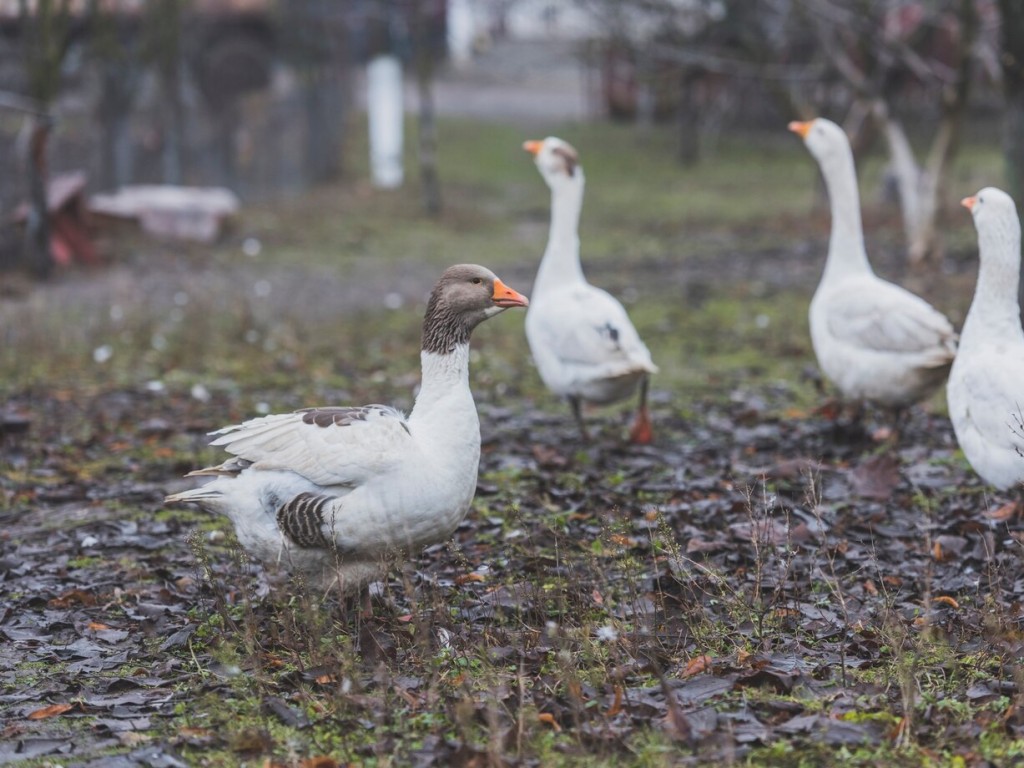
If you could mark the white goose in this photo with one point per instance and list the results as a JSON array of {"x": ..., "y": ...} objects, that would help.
[
  {"x": 874, "y": 340},
  {"x": 585, "y": 347},
  {"x": 986, "y": 386},
  {"x": 333, "y": 492}
]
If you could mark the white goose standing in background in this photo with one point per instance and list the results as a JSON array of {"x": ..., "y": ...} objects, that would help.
[
  {"x": 986, "y": 386},
  {"x": 874, "y": 340},
  {"x": 333, "y": 492},
  {"x": 585, "y": 347}
]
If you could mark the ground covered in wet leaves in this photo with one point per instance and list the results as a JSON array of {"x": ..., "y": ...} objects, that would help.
[
  {"x": 761, "y": 584},
  {"x": 765, "y": 585}
]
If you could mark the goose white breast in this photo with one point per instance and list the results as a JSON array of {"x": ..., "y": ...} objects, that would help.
[
  {"x": 334, "y": 492},
  {"x": 985, "y": 392},
  {"x": 585, "y": 347},
  {"x": 874, "y": 340}
]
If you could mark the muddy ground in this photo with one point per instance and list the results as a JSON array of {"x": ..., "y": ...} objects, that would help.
[{"x": 766, "y": 583}]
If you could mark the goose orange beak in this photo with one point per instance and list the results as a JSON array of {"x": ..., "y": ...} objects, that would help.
[
  {"x": 969, "y": 202},
  {"x": 504, "y": 296},
  {"x": 533, "y": 147},
  {"x": 801, "y": 128}
]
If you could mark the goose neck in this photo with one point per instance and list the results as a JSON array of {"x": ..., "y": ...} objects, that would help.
[
  {"x": 995, "y": 308},
  {"x": 445, "y": 379},
  {"x": 846, "y": 253},
  {"x": 561, "y": 262}
]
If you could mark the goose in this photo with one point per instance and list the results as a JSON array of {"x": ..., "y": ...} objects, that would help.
[
  {"x": 875, "y": 341},
  {"x": 585, "y": 347},
  {"x": 985, "y": 392},
  {"x": 333, "y": 493}
]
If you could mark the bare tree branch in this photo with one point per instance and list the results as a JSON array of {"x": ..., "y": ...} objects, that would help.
[{"x": 730, "y": 65}]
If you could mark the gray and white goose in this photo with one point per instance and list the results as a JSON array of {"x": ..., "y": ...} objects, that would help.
[
  {"x": 874, "y": 340},
  {"x": 583, "y": 342},
  {"x": 985, "y": 391},
  {"x": 335, "y": 492}
]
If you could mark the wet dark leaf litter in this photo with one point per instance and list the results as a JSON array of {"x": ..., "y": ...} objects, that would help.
[{"x": 743, "y": 557}]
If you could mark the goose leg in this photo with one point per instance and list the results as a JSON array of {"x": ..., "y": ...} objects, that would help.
[
  {"x": 848, "y": 421},
  {"x": 577, "y": 412},
  {"x": 857, "y": 414},
  {"x": 890, "y": 435},
  {"x": 642, "y": 433}
]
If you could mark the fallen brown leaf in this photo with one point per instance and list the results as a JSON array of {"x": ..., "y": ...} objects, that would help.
[
  {"x": 319, "y": 762},
  {"x": 616, "y": 706},
  {"x": 73, "y": 597},
  {"x": 548, "y": 457},
  {"x": 697, "y": 664},
  {"x": 309, "y": 762},
  {"x": 51, "y": 711},
  {"x": 876, "y": 478},
  {"x": 1003, "y": 513},
  {"x": 548, "y": 719}
]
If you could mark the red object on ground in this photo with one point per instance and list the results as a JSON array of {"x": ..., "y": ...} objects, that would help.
[{"x": 70, "y": 240}]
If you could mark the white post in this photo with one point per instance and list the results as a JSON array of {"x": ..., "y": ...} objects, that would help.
[
  {"x": 460, "y": 32},
  {"x": 385, "y": 114}
]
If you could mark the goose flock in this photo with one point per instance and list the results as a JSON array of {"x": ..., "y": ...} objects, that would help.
[{"x": 337, "y": 493}]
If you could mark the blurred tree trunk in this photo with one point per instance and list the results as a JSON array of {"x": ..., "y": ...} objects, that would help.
[
  {"x": 324, "y": 101},
  {"x": 112, "y": 47},
  {"x": 226, "y": 117},
  {"x": 117, "y": 160},
  {"x": 46, "y": 34},
  {"x": 1013, "y": 85},
  {"x": 423, "y": 50},
  {"x": 323, "y": 30},
  {"x": 36, "y": 253},
  {"x": 924, "y": 191},
  {"x": 230, "y": 62},
  {"x": 315, "y": 35},
  {"x": 163, "y": 38},
  {"x": 646, "y": 101},
  {"x": 873, "y": 71},
  {"x": 687, "y": 115}
]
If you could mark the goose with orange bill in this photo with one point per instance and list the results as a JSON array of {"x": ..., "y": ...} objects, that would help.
[{"x": 335, "y": 493}]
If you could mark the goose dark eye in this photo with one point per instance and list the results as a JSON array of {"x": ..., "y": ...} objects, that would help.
[{"x": 477, "y": 281}]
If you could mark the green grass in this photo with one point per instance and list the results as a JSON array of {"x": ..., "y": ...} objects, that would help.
[{"x": 642, "y": 211}]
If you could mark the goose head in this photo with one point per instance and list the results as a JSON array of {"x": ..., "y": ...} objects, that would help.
[
  {"x": 465, "y": 296},
  {"x": 995, "y": 218},
  {"x": 557, "y": 160},
  {"x": 994, "y": 212},
  {"x": 823, "y": 138}
]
